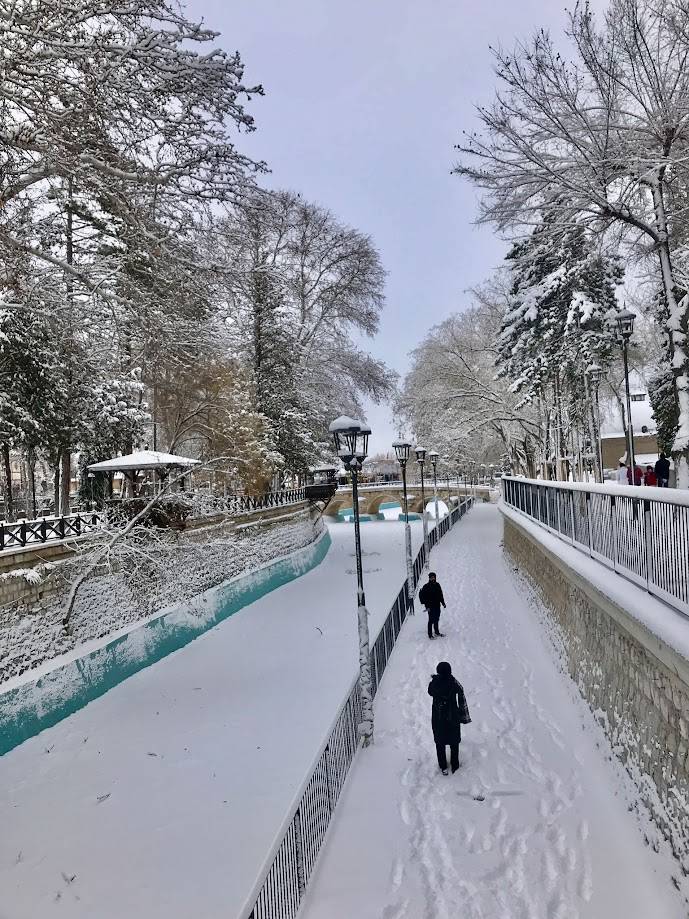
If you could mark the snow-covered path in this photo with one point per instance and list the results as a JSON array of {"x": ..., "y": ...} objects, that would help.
[{"x": 536, "y": 822}]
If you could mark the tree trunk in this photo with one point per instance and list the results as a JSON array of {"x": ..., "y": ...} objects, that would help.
[
  {"x": 65, "y": 476},
  {"x": 31, "y": 481},
  {"x": 7, "y": 471},
  {"x": 677, "y": 327},
  {"x": 56, "y": 486}
]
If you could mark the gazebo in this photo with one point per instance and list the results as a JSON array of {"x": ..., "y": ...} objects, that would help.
[{"x": 142, "y": 460}]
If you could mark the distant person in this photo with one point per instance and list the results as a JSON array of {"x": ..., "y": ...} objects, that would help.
[
  {"x": 622, "y": 474},
  {"x": 662, "y": 471},
  {"x": 638, "y": 475},
  {"x": 431, "y": 596},
  {"x": 448, "y": 715},
  {"x": 650, "y": 476}
]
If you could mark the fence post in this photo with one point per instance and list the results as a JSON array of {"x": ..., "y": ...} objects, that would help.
[
  {"x": 571, "y": 513},
  {"x": 2, "y": 535},
  {"x": 328, "y": 784},
  {"x": 613, "y": 520},
  {"x": 559, "y": 515},
  {"x": 299, "y": 853},
  {"x": 650, "y": 574},
  {"x": 588, "y": 522}
]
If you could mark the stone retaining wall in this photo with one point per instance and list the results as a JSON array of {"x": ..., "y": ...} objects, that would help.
[
  {"x": 636, "y": 684},
  {"x": 190, "y": 562}
]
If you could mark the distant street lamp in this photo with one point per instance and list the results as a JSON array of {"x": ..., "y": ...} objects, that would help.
[
  {"x": 625, "y": 325},
  {"x": 351, "y": 445},
  {"x": 594, "y": 372},
  {"x": 433, "y": 457},
  {"x": 446, "y": 464},
  {"x": 402, "y": 450},
  {"x": 421, "y": 459},
  {"x": 91, "y": 476}
]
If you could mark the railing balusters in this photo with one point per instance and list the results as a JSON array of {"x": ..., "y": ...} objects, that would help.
[{"x": 644, "y": 539}]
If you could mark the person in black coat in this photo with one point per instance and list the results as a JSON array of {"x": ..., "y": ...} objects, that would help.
[
  {"x": 662, "y": 471},
  {"x": 431, "y": 596},
  {"x": 448, "y": 715}
]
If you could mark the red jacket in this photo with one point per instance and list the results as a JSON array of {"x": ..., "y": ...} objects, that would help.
[
  {"x": 638, "y": 475},
  {"x": 650, "y": 478}
]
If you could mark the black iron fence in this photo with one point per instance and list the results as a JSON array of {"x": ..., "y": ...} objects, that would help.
[
  {"x": 247, "y": 504},
  {"x": 280, "y": 887},
  {"x": 640, "y": 533},
  {"x": 25, "y": 533},
  {"x": 29, "y": 532}
]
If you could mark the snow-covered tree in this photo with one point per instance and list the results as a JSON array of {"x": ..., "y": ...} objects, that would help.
[
  {"x": 452, "y": 399},
  {"x": 298, "y": 287},
  {"x": 608, "y": 131}
]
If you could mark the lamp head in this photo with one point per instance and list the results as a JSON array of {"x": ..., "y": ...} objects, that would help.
[
  {"x": 402, "y": 450},
  {"x": 625, "y": 324},
  {"x": 595, "y": 373},
  {"x": 350, "y": 438},
  {"x": 420, "y": 455}
]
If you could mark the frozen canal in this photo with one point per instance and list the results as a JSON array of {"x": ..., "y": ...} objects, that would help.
[
  {"x": 161, "y": 798},
  {"x": 536, "y": 824}
]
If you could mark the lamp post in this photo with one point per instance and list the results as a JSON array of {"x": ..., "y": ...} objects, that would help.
[
  {"x": 446, "y": 464},
  {"x": 433, "y": 457},
  {"x": 625, "y": 325},
  {"x": 594, "y": 373},
  {"x": 421, "y": 459},
  {"x": 351, "y": 445},
  {"x": 91, "y": 476},
  {"x": 402, "y": 450}
]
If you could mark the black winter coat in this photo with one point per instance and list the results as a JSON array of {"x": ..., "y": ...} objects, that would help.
[
  {"x": 662, "y": 468},
  {"x": 450, "y": 710},
  {"x": 431, "y": 595}
]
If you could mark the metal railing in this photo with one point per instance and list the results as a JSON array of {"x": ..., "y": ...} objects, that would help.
[
  {"x": 640, "y": 533},
  {"x": 24, "y": 533},
  {"x": 280, "y": 887},
  {"x": 30, "y": 532},
  {"x": 246, "y": 504}
]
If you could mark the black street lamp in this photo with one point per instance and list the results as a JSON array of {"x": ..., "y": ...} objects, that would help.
[
  {"x": 351, "y": 445},
  {"x": 421, "y": 459},
  {"x": 625, "y": 326},
  {"x": 594, "y": 373},
  {"x": 402, "y": 450},
  {"x": 433, "y": 457}
]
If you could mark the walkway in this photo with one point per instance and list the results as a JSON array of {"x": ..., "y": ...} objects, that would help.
[
  {"x": 537, "y": 822},
  {"x": 162, "y": 798}
]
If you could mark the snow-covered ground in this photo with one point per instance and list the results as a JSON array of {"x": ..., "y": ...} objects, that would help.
[
  {"x": 539, "y": 821},
  {"x": 162, "y": 798}
]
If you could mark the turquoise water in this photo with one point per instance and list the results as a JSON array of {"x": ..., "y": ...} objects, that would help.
[{"x": 34, "y": 706}]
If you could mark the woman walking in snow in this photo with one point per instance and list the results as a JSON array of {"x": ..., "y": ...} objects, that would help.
[{"x": 449, "y": 713}]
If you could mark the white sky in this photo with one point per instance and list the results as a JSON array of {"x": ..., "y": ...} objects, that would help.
[{"x": 364, "y": 102}]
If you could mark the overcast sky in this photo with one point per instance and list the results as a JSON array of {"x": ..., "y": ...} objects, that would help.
[{"x": 364, "y": 102}]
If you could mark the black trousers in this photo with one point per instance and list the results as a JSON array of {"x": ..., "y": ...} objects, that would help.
[
  {"x": 433, "y": 620},
  {"x": 442, "y": 755}
]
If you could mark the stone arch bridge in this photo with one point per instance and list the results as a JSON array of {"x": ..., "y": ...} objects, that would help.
[{"x": 371, "y": 497}]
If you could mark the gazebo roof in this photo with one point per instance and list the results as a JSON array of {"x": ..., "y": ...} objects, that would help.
[{"x": 143, "y": 459}]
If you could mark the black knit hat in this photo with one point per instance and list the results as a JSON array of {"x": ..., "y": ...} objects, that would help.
[{"x": 443, "y": 669}]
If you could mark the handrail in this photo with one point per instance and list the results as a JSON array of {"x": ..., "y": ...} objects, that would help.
[
  {"x": 640, "y": 532},
  {"x": 283, "y": 878}
]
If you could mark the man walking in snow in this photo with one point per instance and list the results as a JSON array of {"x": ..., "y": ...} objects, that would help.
[
  {"x": 431, "y": 596},
  {"x": 449, "y": 713}
]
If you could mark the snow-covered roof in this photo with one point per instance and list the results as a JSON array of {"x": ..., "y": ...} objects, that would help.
[{"x": 143, "y": 459}]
